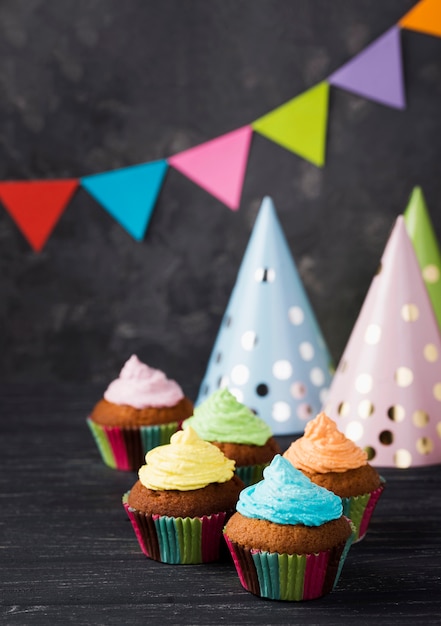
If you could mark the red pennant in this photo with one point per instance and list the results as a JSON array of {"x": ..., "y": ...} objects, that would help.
[{"x": 36, "y": 206}]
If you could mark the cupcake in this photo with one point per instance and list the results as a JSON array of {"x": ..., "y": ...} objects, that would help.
[
  {"x": 237, "y": 431},
  {"x": 288, "y": 538},
  {"x": 186, "y": 491},
  {"x": 333, "y": 461},
  {"x": 140, "y": 410}
]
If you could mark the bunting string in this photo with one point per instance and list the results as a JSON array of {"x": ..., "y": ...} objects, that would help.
[{"x": 219, "y": 165}]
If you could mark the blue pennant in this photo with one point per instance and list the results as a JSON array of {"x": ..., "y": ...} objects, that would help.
[{"x": 129, "y": 194}]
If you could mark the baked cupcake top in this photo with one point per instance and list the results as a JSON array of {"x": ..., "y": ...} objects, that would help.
[
  {"x": 286, "y": 496},
  {"x": 323, "y": 448},
  {"x": 186, "y": 463},
  {"x": 223, "y": 418},
  {"x": 141, "y": 386}
]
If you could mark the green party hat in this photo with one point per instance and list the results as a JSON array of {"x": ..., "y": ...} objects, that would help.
[{"x": 422, "y": 234}]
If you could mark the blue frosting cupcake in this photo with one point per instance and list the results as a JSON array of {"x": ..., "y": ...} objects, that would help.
[{"x": 288, "y": 538}]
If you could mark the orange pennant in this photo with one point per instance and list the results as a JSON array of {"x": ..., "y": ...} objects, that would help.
[
  {"x": 36, "y": 206},
  {"x": 424, "y": 17}
]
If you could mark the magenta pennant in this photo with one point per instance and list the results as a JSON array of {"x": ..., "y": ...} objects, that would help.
[
  {"x": 376, "y": 72},
  {"x": 219, "y": 165}
]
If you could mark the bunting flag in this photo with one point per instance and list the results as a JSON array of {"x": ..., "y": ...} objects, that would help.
[
  {"x": 424, "y": 17},
  {"x": 218, "y": 166},
  {"x": 36, "y": 206},
  {"x": 422, "y": 235},
  {"x": 129, "y": 194},
  {"x": 300, "y": 124},
  {"x": 376, "y": 72}
]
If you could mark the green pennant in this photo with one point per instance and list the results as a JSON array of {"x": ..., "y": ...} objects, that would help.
[
  {"x": 422, "y": 234},
  {"x": 300, "y": 124}
]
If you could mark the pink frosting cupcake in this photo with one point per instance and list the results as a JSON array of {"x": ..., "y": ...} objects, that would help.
[{"x": 140, "y": 410}]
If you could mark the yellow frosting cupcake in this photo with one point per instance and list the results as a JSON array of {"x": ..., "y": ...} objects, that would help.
[
  {"x": 186, "y": 463},
  {"x": 185, "y": 492}
]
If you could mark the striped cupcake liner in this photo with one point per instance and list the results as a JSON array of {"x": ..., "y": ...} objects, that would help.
[
  {"x": 125, "y": 448},
  {"x": 359, "y": 509},
  {"x": 292, "y": 577},
  {"x": 177, "y": 540},
  {"x": 250, "y": 474}
]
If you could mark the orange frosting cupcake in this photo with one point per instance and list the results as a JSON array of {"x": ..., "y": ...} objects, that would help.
[
  {"x": 323, "y": 448},
  {"x": 333, "y": 461}
]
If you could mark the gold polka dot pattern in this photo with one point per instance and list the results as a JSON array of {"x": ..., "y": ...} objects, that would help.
[
  {"x": 403, "y": 376},
  {"x": 420, "y": 418},
  {"x": 402, "y": 458},
  {"x": 396, "y": 413},
  {"x": 410, "y": 312},
  {"x": 430, "y": 353},
  {"x": 365, "y": 409},
  {"x": 424, "y": 445},
  {"x": 431, "y": 274}
]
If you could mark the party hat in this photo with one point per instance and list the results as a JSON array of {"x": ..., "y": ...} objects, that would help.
[
  {"x": 420, "y": 230},
  {"x": 269, "y": 351},
  {"x": 386, "y": 392}
]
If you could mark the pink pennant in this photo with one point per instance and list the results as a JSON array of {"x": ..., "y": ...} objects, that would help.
[
  {"x": 219, "y": 165},
  {"x": 376, "y": 72}
]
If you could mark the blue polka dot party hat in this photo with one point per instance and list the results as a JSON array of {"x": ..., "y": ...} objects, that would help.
[{"x": 269, "y": 351}]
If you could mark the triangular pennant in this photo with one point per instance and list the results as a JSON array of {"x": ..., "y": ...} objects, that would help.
[
  {"x": 300, "y": 124},
  {"x": 129, "y": 194},
  {"x": 386, "y": 391},
  {"x": 218, "y": 166},
  {"x": 422, "y": 234},
  {"x": 269, "y": 351},
  {"x": 376, "y": 72},
  {"x": 424, "y": 17},
  {"x": 36, "y": 206}
]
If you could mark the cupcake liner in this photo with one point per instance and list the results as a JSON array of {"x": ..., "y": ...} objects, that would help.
[
  {"x": 346, "y": 549},
  {"x": 250, "y": 474},
  {"x": 177, "y": 540},
  {"x": 292, "y": 577},
  {"x": 102, "y": 443},
  {"x": 359, "y": 509},
  {"x": 125, "y": 448}
]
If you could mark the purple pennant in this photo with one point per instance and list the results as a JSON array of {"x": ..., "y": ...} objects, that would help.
[{"x": 376, "y": 72}]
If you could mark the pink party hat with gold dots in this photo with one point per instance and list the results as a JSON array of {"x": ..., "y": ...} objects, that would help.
[{"x": 386, "y": 392}]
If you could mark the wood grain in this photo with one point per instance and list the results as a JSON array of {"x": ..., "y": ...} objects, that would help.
[{"x": 68, "y": 553}]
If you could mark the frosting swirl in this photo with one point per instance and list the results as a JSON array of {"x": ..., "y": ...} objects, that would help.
[
  {"x": 222, "y": 418},
  {"x": 186, "y": 463},
  {"x": 323, "y": 448},
  {"x": 141, "y": 386},
  {"x": 286, "y": 496}
]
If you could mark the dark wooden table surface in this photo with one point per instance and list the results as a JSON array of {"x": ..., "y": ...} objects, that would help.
[{"x": 68, "y": 553}]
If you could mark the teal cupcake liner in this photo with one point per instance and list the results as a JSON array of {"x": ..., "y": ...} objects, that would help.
[{"x": 250, "y": 474}]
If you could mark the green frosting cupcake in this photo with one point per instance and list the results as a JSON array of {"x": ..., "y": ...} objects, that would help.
[{"x": 222, "y": 418}]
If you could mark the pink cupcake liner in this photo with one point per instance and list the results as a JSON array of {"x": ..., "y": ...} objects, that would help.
[
  {"x": 291, "y": 577},
  {"x": 125, "y": 448},
  {"x": 177, "y": 540}
]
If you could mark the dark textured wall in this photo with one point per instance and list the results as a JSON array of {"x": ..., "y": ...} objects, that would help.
[{"x": 88, "y": 86}]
